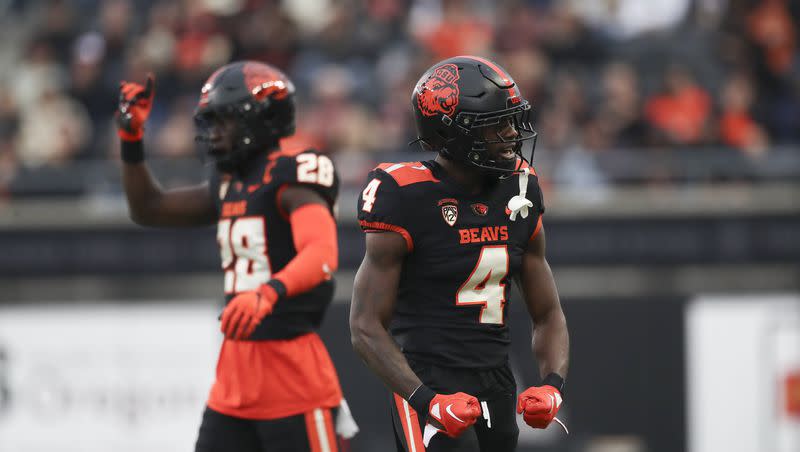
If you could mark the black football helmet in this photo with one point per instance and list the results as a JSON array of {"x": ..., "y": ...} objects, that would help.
[
  {"x": 456, "y": 98},
  {"x": 259, "y": 97}
]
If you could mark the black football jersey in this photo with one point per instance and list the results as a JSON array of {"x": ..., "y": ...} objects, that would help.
[
  {"x": 255, "y": 236},
  {"x": 465, "y": 250}
]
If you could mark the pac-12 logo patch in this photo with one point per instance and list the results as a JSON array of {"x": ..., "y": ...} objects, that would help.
[
  {"x": 450, "y": 214},
  {"x": 439, "y": 93},
  {"x": 480, "y": 209},
  {"x": 449, "y": 210}
]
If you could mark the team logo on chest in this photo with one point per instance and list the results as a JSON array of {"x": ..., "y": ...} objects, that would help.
[
  {"x": 480, "y": 209},
  {"x": 449, "y": 210}
]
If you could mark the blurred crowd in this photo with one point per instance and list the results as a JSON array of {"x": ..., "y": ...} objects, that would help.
[{"x": 601, "y": 74}]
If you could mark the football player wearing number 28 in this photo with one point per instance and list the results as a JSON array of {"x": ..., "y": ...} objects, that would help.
[
  {"x": 445, "y": 239},
  {"x": 276, "y": 388}
]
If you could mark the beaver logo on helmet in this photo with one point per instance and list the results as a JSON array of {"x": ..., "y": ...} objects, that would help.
[{"x": 439, "y": 93}]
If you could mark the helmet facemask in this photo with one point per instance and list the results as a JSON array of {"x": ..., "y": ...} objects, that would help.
[
  {"x": 255, "y": 132},
  {"x": 471, "y": 143}
]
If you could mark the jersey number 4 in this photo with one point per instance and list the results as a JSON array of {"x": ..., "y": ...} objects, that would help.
[
  {"x": 485, "y": 287},
  {"x": 369, "y": 195},
  {"x": 243, "y": 251}
]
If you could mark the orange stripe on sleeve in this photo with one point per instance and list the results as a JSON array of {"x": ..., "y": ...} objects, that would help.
[{"x": 371, "y": 226}]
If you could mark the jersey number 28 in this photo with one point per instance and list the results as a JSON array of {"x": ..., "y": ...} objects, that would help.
[
  {"x": 314, "y": 169},
  {"x": 243, "y": 251},
  {"x": 484, "y": 286}
]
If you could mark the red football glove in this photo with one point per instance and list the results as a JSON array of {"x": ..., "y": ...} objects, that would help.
[
  {"x": 135, "y": 103},
  {"x": 243, "y": 314},
  {"x": 455, "y": 412},
  {"x": 540, "y": 405}
]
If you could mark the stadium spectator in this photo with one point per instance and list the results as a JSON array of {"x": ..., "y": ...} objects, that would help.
[
  {"x": 737, "y": 127},
  {"x": 681, "y": 112},
  {"x": 575, "y": 60},
  {"x": 621, "y": 105}
]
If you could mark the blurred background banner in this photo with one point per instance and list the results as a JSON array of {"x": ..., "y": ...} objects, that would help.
[
  {"x": 743, "y": 351},
  {"x": 99, "y": 377},
  {"x": 668, "y": 153}
]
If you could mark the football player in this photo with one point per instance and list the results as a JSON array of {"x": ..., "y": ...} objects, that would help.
[
  {"x": 275, "y": 387},
  {"x": 445, "y": 240}
]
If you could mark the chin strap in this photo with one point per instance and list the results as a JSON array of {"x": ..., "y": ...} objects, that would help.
[{"x": 519, "y": 204}]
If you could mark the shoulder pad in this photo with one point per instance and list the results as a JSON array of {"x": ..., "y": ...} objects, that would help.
[
  {"x": 407, "y": 173},
  {"x": 303, "y": 166},
  {"x": 381, "y": 205}
]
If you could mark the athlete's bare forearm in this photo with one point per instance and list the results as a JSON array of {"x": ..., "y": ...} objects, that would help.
[
  {"x": 374, "y": 296},
  {"x": 150, "y": 205},
  {"x": 141, "y": 190},
  {"x": 550, "y": 335},
  {"x": 551, "y": 344},
  {"x": 383, "y": 357}
]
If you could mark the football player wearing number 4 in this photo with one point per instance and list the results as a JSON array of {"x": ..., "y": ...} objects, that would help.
[
  {"x": 276, "y": 388},
  {"x": 445, "y": 239}
]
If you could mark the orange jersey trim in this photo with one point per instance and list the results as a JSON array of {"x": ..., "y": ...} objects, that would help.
[
  {"x": 407, "y": 173},
  {"x": 374, "y": 226},
  {"x": 538, "y": 228},
  {"x": 274, "y": 379},
  {"x": 291, "y": 150},
  {"x": 273, "y": 160},
  {"x": 410, "y": 421},
  {"x": 522, "y": 164}
]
